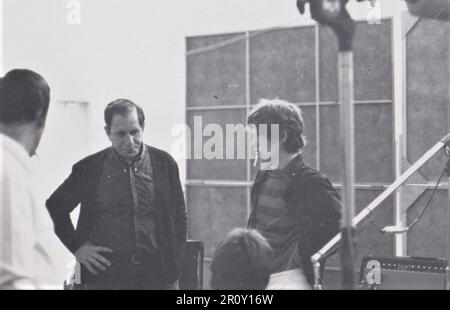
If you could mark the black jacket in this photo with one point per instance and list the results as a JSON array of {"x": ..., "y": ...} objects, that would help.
[
  {"x": 81, "y": 188},
  {"x": 313, "y": 201}
]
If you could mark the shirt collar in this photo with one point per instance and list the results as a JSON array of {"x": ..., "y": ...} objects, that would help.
[
  {"x": 290, "y": 168},
  {"x": 138, "y": 158},
  {"x": 17, "y": 150},
  {"x": 294, "y": 165},
  {"x": 297, "y": 160}
]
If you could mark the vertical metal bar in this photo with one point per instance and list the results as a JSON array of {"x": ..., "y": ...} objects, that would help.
[
  {"x": 346, "y": 94},
  {"x": 317, "y": 276},
  {"x": 447, "y": 275},
  {"x": 404, "y": 139},
  {"x": 447, "y": 142},
  {"x": 398, "y": 100},
  {"x": 1, "y": 38},
  {"x": 247, "y": 103},
  {"x": 188, "y": 141},
  {"x": 317, "y": 66},
  {"x": 405, "y": 94}
]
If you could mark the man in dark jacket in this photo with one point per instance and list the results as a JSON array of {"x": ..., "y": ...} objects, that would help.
[
  {"x": 132, "y": 226},
  {"x": 293, "y": 206}
]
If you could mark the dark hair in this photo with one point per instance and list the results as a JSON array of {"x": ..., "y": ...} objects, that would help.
[
  {"x": 243, "y": 260},
  {"x": 287, "y": 115},
  {"x": 24, "y": 97},
  {"x": 122, "y": 107}
]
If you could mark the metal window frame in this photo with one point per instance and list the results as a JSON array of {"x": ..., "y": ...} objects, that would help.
[{"x": 247, "y": 35}]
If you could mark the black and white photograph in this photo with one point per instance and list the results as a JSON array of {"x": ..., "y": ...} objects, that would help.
[{"x": 218, "y": 146}]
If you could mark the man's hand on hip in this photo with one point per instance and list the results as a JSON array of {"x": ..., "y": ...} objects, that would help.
[{"x": 89, "y": 256}]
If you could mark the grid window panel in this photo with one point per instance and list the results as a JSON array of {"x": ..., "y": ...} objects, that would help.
[
  {"x": 282, "y": 65},
  {"x": 213, "y": 212},
  {"x": 428, "y": 95},
  {"x": 328, "y": 65},
  {"x": 369, "y": 240},
  {"x": 216, "y": 77},
  {"x": 220, "y": 169},
  {"x": 372, "y": 62},
  {"x": 373, "y": 143},
  {"x": 429, "y": 237}
]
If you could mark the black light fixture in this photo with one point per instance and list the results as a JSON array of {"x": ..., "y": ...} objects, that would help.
[
  {"x": 329, "y": 10},
  {"x": 332, "y": 13}
]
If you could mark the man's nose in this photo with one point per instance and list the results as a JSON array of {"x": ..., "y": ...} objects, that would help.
[{"x": 129, "y": 139}]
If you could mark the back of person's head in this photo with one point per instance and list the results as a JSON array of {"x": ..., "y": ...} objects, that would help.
[
  {"x": 243, "y": 260},
  {"x": 24, "y": 98}
]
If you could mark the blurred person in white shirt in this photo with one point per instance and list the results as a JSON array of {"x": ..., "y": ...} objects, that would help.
[{"x": 24, "y": 261}]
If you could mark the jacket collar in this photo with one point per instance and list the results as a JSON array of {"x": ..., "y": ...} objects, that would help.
[
  {"x": 293, "y": 167},
  {"x": 138, "y": 158},
  {"x": 290, "y": 170}
]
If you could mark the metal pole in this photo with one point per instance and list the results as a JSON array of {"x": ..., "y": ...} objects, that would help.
[
  {"x": 317, "y": 276},
  {"x": 334, "y": 14},
  {"x": 447, "y": 274},
  {"x": 346, "y": 94}
]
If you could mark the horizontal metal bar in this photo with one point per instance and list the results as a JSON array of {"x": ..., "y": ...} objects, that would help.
[
  {"x": 429, "y": 185},
  {"x": 381, "y": 101},
  {"x": 72, "y": 102},
  {"x": 217, "y": 107},
  {"x": 301, "y": 104},
  {"x": 306, "y": 104},
  {"x": 233, "y": 183},
  {"x": 288, "y": 25},
  {"x": 337, "y": 269},
  {"x": 201, "y": 50},
  {"x": 209, "y": 259},
  {"x": 218, "y": 183},
  {"x": 239, "y": 36},
  {"x": 360, "y": 186},
  {"x": 371, "y": 186}
]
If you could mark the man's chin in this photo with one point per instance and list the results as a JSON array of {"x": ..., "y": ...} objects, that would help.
[{"x": 129, "y": 155}]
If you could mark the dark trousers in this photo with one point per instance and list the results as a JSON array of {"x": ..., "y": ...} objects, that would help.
[{"x": 124, "y": 274}]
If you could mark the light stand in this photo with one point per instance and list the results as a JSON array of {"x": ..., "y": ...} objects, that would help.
[
  {"x": 447, "y": 170},
  {"x": 334, "y": 14}
]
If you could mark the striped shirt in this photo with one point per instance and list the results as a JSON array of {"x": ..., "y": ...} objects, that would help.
[
  {"x": 276, "y": 222},
  {"x": 24, "y": 223}
]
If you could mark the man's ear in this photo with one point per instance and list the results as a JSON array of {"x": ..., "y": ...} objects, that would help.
[
  {"x": 41, "y": 119},
  {"x": 107, "y": 130}
]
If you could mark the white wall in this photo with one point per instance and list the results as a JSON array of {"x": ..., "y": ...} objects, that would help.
[{"x": 133, "y": 49}]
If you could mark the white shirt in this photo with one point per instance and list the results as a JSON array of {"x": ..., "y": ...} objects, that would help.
[
  {"x": 293, "y": 279},
  {"x": 24, "y": 223}
]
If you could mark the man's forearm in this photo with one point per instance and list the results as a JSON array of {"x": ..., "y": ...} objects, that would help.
[
  {"x": 61, "y": 203},
  {"x": 64, "y": 228},
  {"x": 66, "y": 233}
]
